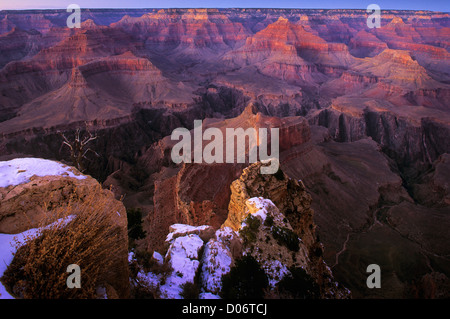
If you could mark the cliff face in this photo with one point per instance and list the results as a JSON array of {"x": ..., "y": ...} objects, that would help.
[
  {"x": 413, "y": 141},
  {"x": 432, "y": 188},
  {"x": 182, "y": 198},
  {"x": 190, "y": 29}
]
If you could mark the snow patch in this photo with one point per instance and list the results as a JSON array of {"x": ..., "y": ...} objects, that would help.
[
  {"x": 275, "y": 271},
  {"x": 20, "y": 170},
  {"x": 182, "y": 229},
  {"x": 216, "y": 262},
  {"x": 131, "y": 256},
  {"x": 183, "y": 255},
  {"x": 158, "y": 257},
  {"x": 208, "y": 295},
  {"x": 265, "y": 207},
  {"x": 261, "y": 204},
  {"x": 9, "y": 243},
  {"x": 225, "y": 235},
  {"x": 150, "y": 280}
]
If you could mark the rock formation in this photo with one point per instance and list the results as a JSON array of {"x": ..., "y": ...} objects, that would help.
[
  {"x": 289, "y": 196},
  {"x": 32, "y": 189},
  {"x": 255, "y": 226},
  {"x": 179, "y": 193}
]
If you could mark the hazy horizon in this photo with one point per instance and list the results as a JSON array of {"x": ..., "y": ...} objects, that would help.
[{"x": 438, "y": 5}]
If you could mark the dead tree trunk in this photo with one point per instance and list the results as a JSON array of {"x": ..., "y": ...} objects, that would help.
[{"x": 78, "y": 148}]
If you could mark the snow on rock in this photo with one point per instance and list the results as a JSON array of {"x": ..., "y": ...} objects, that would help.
[
  {"x": 208, "y": 295},
  {"x": 217, "y": 260},
  {"x": 131, "y": 256},
  {"x": 177, "y": 230},
  {"x": 186, "y": 246},
  {"x": 258, "y": 206},
  {"x": 274, "y": 257},
  {"x": 183, "y": 255},
  {"x": 262, "y": 207},
  {"x": 8, "y": 245},
  {"x": 275, "y": 271},
  {"x": 19, "y": 170},
  {"x": 158, "y": 257},
  {"x": 150, "y": 280}
]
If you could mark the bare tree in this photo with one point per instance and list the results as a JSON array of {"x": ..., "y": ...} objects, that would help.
[{"x": 79, "y": 147}]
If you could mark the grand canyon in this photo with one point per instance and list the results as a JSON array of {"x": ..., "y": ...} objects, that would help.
[{"x": 364, "y": 120}]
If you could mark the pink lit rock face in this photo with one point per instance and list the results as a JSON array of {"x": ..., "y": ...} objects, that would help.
[{"x": 363, "y": 114}]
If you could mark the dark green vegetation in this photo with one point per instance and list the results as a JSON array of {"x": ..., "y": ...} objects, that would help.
[
  {"x": 246, "y": 280},
  {"x": 135, "y": 230},
  {"x": 249, "y": 232},
  {"x": 298, "y": 285},
  {"x": 286, "y": 237}
]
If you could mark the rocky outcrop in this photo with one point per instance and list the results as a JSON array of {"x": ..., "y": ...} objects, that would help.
[
  {"x": 289, "y": 209},
  {"x": 32, "y": 189},
  {"x": 123, "y": 62},
  {"x": 287, "y": 51},
  {"x": 256, "y": 227},
  {"x": 180, "y": 195},
  {"x": 182, "y": 198},
  {"x": 289, "y": 196}
]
